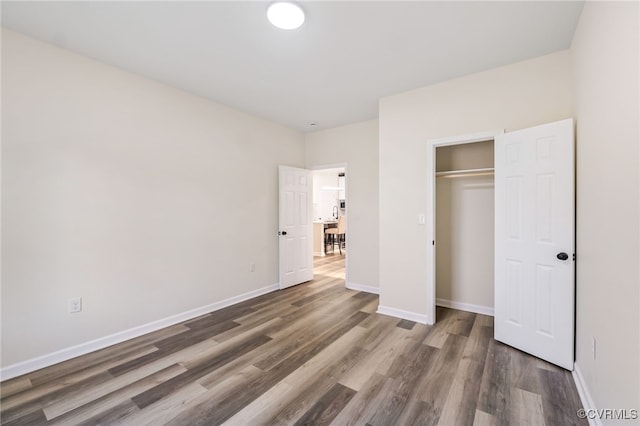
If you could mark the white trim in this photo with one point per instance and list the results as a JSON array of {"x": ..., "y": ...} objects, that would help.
[
  {"x": 468, "y": 138},
  {"x": 362, "y": 287},
  {"x": 585, "y": 395},
  {"x": 47, "y": 360},
  {"x": 432, "y": 144},
  {"x": 469, "y": 307},
  {"x": 400, "y": 313}
]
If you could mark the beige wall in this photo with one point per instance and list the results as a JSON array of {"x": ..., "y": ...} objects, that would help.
[
  {"x": 606, "y": 97},
  {"x": 468, "y": 156},
  {"x": 511, "y": 97},
  {"x": 142, "y": 199},
  {"x": 356, "y": 146},
  {"x": 465, "y": 236}
]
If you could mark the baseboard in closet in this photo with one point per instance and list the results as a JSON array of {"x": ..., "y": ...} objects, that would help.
[{"x": 478, "y": 309}]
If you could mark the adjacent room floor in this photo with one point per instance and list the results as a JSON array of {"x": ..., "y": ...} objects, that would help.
[{"x": 316, "y": 353}]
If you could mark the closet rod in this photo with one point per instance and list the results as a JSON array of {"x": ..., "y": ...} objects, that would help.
[{"x": 470, "y": 172}]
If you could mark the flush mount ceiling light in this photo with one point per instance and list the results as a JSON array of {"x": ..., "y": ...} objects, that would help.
[{"x": 285, "y": 15}]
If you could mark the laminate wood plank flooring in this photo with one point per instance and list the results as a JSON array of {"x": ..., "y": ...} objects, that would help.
[{"x": 312, "y": 354}]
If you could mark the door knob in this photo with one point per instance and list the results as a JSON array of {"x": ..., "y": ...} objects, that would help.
[
  {"x": 562, "y": 256},
  {"x": 282, "y": 233}
]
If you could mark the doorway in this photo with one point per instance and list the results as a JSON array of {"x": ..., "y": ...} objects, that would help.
[
  {"x": 330, "y": 204},
  {"x": 450, "y": 159}
]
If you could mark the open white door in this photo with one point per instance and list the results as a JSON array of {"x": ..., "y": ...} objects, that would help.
[
  {"x": 296, "y": 228},
  {"x": 534, "y": 241}
]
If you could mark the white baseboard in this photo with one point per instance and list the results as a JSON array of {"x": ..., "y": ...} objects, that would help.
[
  {"x": 399, "y": 313},
  {"x": 47, "y": 360},
  {"x": 478, "y": 309},
  {"x": 585, "y": 395},
  {"x": 362, "y": 287}
]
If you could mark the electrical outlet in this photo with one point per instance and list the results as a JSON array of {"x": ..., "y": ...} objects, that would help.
[
  {"x": 593, "y": 347},
  {"x": 252, "y": 267},
  {"x": 75, "y": 305}
]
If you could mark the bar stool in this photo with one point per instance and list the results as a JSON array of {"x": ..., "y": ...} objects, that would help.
[{"x": 340, "y": 232}]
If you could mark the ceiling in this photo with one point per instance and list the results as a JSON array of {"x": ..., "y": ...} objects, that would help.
[{"x": 331, "y": 71}]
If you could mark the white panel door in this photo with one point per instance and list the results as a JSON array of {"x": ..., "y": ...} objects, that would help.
[
  {"x": 534, "y": 241},
  {"x": 296, "y": 227}
]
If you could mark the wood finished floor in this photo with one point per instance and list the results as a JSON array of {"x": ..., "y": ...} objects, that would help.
[{"x": 313, "y": 354}]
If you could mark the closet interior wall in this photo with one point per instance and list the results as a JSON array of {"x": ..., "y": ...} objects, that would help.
[{"x": 465, "y": 227}]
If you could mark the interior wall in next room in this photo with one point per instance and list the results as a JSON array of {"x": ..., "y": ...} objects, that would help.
[{"x": 326, "y": 193}]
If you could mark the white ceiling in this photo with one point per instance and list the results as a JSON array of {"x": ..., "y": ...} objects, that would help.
[{"x": 332, "y": 70}]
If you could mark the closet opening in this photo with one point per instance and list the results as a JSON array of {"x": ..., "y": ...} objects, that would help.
[
  {"x": 464, "y": 227},
  {"x": 461, "y": 224}
]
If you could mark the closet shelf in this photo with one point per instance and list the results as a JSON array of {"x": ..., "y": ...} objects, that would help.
[{"x": 470, "y": 172}]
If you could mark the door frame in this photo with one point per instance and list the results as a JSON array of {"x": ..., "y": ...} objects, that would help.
[
  {"x": 432, "y": 144},
  {"x": 346, "y": 209}
]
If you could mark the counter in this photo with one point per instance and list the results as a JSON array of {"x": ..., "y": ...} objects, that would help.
[{"x": 319, "y": 227}]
